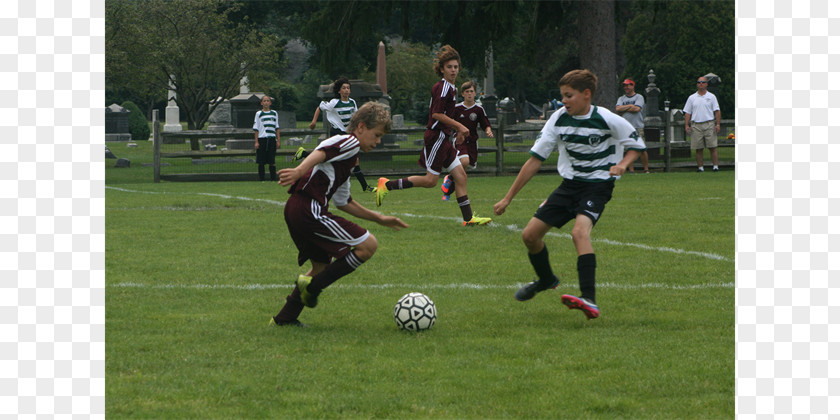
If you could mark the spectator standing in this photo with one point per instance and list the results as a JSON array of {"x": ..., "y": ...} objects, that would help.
[
  {"x": 266, "y": 138},
  {"x": 702, "y": 122},
  {"x": 630, "y": 106}
]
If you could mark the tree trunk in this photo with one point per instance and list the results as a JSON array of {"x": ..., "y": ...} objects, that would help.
[{"x": 596, "y": 19}]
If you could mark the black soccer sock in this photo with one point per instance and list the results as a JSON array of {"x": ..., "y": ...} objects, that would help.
[
  {"x": 542, "y": 267},
  {"x": 334, "y": 271},
  {"x": 272, "y": 171},
  {"x": 292, "y": 308},
  {"x": 360, "y": 176},
  {"x": 586, "y": 276},
  {"x": 261, "y": 170},
  {"x": 466, "y": 209},
  {"x": 399, "y": 184}
]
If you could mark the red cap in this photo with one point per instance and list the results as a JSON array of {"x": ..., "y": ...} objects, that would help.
[{"x": 628, "y": 82}]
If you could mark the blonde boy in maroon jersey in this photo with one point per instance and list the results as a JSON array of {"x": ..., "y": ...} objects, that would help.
[
  {"x": 439, "y": 152},
  {"x": 334, "y": 245},
  {"x": 470, "y": 114}
]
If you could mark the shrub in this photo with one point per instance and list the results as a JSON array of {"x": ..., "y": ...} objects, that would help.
[{"x": 137, "y": 124}]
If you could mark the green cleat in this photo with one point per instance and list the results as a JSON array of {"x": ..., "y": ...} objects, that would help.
[
  {"x": 309, "y": 300},
  {"x": 478, "y": 221},
  {"x": 298, "y": 154},
  {"x": 380, "y": 191}
]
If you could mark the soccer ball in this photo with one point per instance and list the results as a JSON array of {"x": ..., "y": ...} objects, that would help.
[{"x": 415, "y": 312}]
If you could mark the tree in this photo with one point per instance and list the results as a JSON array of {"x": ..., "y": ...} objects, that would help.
[
  {"x": 188, "y": 44},
  {"x": 682, "y": 41},
  {"x": 596, "y": 21}
]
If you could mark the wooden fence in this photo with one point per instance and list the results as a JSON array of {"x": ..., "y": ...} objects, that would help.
[{"x": 501, "y": 155}]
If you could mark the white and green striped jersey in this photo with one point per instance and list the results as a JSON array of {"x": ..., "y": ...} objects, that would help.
[
  {"x": 588, "y": 144},
  {"x": 338, "y": 112},
  {"x": 266, "y": 123}
]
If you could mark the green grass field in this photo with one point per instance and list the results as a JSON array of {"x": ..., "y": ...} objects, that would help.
[{"x": 195, "y": 270}]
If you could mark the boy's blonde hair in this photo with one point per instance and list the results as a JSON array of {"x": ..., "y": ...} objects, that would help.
[
  {"x": 446, "y": 54},
  {"x": 469, "y": 84},
  {"x": 372, "y": 114},
  {"x": 580, "y": 80}
]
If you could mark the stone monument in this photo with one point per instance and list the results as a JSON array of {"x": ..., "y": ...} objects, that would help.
[
  {"x": 381, "y": 76},
  {"x": 116, "y": 123},
  {"x": 173, "y": 115},
  {"x": 488, "y": 98}
]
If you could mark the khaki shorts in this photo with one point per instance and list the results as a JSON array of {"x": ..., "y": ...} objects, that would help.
[{"x": 703, "y": 135}]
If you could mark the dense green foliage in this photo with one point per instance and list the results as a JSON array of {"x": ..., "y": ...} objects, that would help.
[
  {"x": 137, "y": 125},
  {"x": 533, "y": 42},
  {"x": 190, "y": 46},
  {"x": 682, "y": 41}
]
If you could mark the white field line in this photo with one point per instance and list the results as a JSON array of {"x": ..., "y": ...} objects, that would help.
[
  {"x": 472, "y": 286},
  {"x": 513, "y": 228}
]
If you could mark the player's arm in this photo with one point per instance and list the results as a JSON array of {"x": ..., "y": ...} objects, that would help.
[
  {"x": 621, "y": 167},
  {"x": 355, "y": 209},
  {"x": 288, "y": 176},
  {"x": 485, "y": 123},
  {"x": 529, "y": 169},
  {"x": 315, "y": 118},
  {"x": 462, "y": 131}
]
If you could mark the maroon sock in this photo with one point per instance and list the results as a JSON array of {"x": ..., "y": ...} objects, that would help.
[
  {"x": 292, "y": 308},
  {"x": 400, "y": 184},
  {"x": 334, "y": 271},
  {"x": 466, "y": 210}
]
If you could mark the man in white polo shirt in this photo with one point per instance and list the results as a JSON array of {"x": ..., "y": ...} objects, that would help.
[{"x": 702, "y": 121}]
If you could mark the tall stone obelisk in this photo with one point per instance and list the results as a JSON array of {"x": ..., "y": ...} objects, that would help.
[
  {"x": 382, "y": 77},
  {"x": 488, "y": 98}
]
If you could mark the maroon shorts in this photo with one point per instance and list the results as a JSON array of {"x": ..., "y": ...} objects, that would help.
[
  {"x": 439, "y": 152},
  {"x": 468, "y": 148},
  {"x": 318, "y": 234}
]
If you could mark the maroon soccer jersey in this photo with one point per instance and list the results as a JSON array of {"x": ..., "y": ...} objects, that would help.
[
  {"x": 471, "y": 117},
  {"x": 444, "y": 98},
  {"x": 325, "y": 178}
]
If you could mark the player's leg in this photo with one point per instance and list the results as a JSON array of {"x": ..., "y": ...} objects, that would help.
[
  {"x": 532, "y": 237},
  {"x": 586, "y": 269},
  {"x": 271, "y": 156}
]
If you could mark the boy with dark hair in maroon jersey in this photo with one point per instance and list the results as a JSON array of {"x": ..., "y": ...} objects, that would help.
[
  {"x": 470, "y": 114},
  {"x": 335, "y": 246},
  {"x": 439, "y": 152}
]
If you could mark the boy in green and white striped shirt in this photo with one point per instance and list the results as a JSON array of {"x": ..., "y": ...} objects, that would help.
[
  {"x": 266, "y": 138},
  {"x": 591, "y": 141}
]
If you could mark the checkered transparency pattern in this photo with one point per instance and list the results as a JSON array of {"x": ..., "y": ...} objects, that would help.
[
  {"x": 52, "y": 304},
  {"x": 787, "y": 332}
]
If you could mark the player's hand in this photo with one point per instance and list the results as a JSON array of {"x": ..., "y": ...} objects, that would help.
[
  {"x": 312, "y": 125},
  {"x": 393, "y": 222},
  {"x": 617, "y": 170},
  {"x": 500, "y": 207},
  {"x": 288, "y": 176},
  {"x": 489, "y": 132},
  {"x": 256, "y": 145}
]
